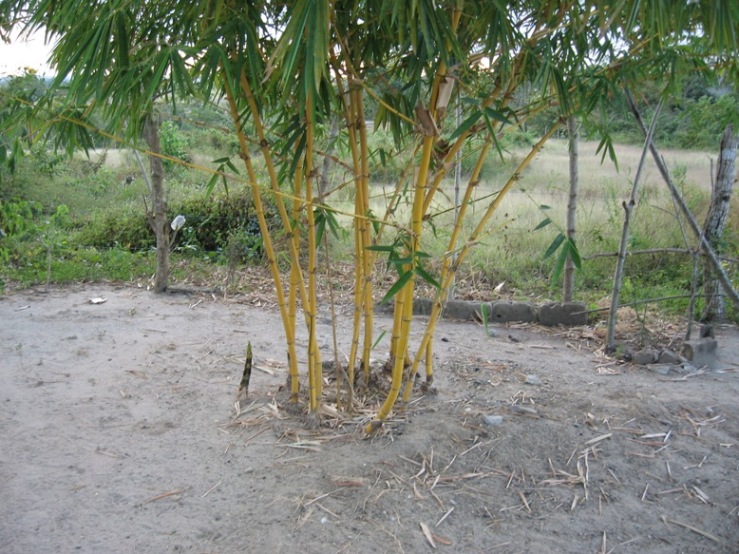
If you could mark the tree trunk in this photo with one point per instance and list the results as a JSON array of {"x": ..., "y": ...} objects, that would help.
[
  {"x": 157, "y": 216},
  {"x": 568, "y": 293},
  {"x": 718, "y": 213}
]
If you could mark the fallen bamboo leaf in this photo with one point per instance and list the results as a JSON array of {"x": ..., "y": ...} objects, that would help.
[
  {"x": 427, "y": 533},
  {"x": 714, "y": 538},
  {"x": 330, "y": 411},
  {"x": 524, "y": 410},
  {"x": 598, "y": 439},
  {"x": 442, "y": 540},
  {"x": 265, "y": 369},
  {"x": 702, "y": 496},
  {"x": 137, "y": 373},
  {"x": 653, "y": 436},
  {"x": 348, "y": 481},
  {"x": 525, "y": 502},
  {"x": 210, "y": 490},
  {"x": 163, "y": 495},
  {"x": 310, "y": 446}
]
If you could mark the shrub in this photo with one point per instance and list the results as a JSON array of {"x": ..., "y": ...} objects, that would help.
[
  {"x": 174, "y": 143},
  {"x": 217, "y": 224}
]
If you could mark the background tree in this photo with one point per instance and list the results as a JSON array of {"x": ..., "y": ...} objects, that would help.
[{"x": 718, "y": 214}]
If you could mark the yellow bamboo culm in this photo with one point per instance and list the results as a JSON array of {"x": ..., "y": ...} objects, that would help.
[
  {"x": 368, "y": 256},
  {"x": 296, "y": 280},
  {"x": 426, "y": 347},
  {"x": 296, "y": 275},
  {"x": 266, "y": 238},
  {"x": 348, "y": 101},
  {"x": 315, "y": 369},
  {"x": 404, "y": 302}
]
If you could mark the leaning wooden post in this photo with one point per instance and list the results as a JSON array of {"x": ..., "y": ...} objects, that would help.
[{"x": 711, "y": 257}]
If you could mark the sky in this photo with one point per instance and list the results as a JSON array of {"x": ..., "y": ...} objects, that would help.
[{"x": 29, "y": 52}]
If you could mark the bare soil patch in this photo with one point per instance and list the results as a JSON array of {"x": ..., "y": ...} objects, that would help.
[{"x": 119, "y": 434}]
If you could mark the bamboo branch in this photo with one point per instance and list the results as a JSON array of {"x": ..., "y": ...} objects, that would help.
[{"x": 628, "y": 208}]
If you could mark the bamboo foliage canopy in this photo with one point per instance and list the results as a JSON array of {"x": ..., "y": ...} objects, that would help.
[{"x": 288, "y": 69}]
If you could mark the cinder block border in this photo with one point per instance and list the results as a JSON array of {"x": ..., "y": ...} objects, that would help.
[{"x": 506, "y": 311}]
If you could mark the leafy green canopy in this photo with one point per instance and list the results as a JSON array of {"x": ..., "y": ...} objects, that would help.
[{"x": 122, "y": 55}]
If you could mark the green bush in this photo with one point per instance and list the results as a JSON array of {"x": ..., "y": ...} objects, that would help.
[
  {"x": 174, "y": 143},
  {"x": 212, "y": 224}
]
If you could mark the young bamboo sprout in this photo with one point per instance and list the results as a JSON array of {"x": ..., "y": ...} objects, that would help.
[{"x": 246, "y": 377}]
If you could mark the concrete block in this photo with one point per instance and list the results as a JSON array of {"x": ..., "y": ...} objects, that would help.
[
  {"x": 504, "y": 311},
  {"x": 669, "y": 357},
  {"x": 454, "y": 309},
  {"x": 460, "y": 309},
  {"x": 421, "y": 306},
  {"x": 701, "y": 352},
  {"x": 646, "y": 356},
  {"x": 568, "y": 313}
]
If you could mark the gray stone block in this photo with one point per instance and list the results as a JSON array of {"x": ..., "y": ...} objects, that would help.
[
  {"x": 460, "y": 309},
  {"x": 421, "y": 306},
  {"x": 454, "y": 309},
  {"x": 662, "y": 369},
  {"x": 669, "y": 357},
  {"x": 504, "y": 311},
  {"x": 492, "y": 420},
  {"x": 646, "y": 356},
  {"x": 568, "y": 313},
  {"x": 701, "y": 352}
]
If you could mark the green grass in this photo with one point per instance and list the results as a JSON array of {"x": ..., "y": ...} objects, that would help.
[{"x": 510, "y": 250}]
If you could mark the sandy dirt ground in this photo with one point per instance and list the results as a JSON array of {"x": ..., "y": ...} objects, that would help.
[{"x": 119, "y": 433}]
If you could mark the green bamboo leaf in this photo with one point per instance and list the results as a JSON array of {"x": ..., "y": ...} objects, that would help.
[
  {"x": 575, "y": 254},
  {"x": 426, "y": 276},
  {"x": 558, "y": 240},
  {"x": 333, "y": 223},
  {"x": 561, "y": 259},
  {"x": 543, "y": 224},
  {"x": 211, "y": 184},
  {"x": 489, "y": 125},
  {"x": 606, "y": 145},
  {"x": 319, "y": 221},
  {"x": 466, "y": 125},
  {"x": 397, "y": 287},
  {"x": 379, "y": 339},
  {"x": 374, "y": 221},
  {"x": 399, "y": 262},
  {"x": 232, "y": 167},
  {"x": 123, "y": 39},
  {"x": 496, "y": 115},
  {"x": 155, "y": 81}
]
